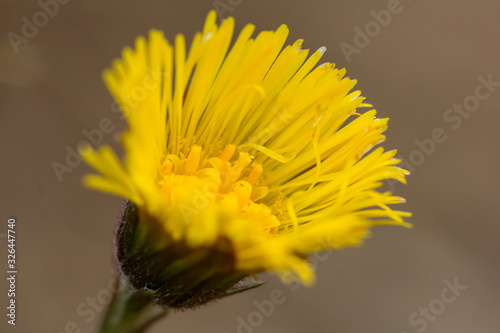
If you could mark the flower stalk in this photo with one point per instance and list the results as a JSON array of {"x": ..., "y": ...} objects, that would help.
[{"x": 130, "y": 310}]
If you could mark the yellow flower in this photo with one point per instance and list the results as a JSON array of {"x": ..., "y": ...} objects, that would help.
[{"x": 246, "y": 146}]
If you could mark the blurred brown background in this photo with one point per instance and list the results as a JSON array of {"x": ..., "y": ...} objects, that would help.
[{"x": 413, "y": 69}]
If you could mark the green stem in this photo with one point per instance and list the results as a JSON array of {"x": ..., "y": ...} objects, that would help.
[{"x": 130, "y": 311}]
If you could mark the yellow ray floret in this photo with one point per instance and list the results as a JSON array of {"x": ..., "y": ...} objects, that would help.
[{"x": 250, "y": 143}]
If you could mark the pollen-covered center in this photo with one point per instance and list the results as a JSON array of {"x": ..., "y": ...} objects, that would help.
[{"x": 215, "y": 196}]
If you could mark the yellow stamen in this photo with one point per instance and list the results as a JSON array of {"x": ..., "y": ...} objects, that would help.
[
  {"x": 166, "y": 167},
  {"x": 255, "y": 174},
  {"x": 227, "y": 153},
  {"x": 193, "y": 161}
]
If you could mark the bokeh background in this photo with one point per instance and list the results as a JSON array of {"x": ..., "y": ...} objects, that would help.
[{"x": 420, "y": 64}]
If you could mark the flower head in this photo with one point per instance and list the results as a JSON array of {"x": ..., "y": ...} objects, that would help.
[{"x": 242, "y": 159}]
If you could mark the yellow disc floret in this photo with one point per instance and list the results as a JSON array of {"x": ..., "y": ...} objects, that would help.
[{"x": 210, "y": 197}]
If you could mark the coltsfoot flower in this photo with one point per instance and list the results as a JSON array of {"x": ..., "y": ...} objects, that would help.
[{"x": 238, "y": 160}]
